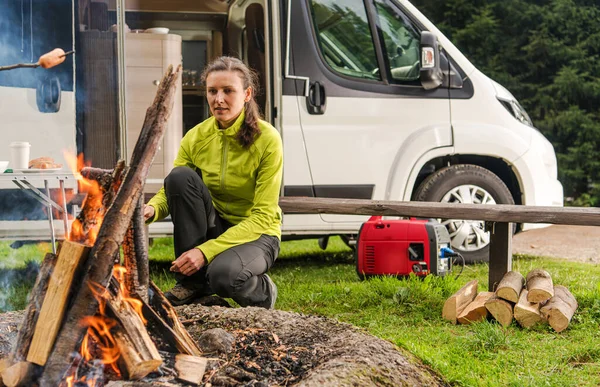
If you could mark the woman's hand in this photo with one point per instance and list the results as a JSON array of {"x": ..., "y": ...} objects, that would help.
[
  {"x": 189, "y": 262},
  {"x": 148, "y": 212}
]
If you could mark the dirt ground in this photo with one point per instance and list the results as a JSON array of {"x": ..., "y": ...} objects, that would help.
[
  {"x": 579, "y": 243},
  {"x": 260, "y": 348}
]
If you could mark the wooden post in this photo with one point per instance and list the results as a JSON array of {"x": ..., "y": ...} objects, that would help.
[{"x": 500, "y": 251}]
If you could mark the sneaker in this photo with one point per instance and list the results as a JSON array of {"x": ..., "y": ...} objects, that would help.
[
  {"x": 269, "y": 303},
  {"x": 181, "y": 295}
]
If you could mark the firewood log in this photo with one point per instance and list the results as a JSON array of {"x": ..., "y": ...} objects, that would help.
[
  {"x": 510, "y": 286},
  {"x": 190, "y": 369},
  {"x": 112, "y": 231},
  {"x": 20, "y": 374},
  {"x": 539, "y": 285},
  {"x": 560, "y": 309},
  {"x": 527, "y": 313},
  {"x": 500, "y": 309},
  {"x": 159, "y": 302},
  {"x": 36, "y": 298},
  {"x": 70, "y": 259},
  {"x": 135, "y": 255},
  {"x": 476, "y": 310},
  {"x": 139, "y": 355},
  {"x": 459, "y": 301}
]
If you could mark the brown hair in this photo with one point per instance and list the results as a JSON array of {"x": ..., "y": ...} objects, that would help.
[{"x": 249, "y": 130}]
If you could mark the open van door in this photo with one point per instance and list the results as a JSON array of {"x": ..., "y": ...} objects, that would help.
[{"x": 364, "y": 115}]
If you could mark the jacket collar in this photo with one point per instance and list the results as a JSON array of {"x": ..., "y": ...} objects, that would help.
[{"x": 234, "y": 128}]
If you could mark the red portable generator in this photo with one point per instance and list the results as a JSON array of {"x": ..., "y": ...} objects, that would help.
[{"x": 403, "y": 246}]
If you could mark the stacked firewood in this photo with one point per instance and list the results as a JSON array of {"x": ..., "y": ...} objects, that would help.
[{"x": 529, "y": 300}]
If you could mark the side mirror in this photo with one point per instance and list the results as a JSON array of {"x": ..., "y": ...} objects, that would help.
[{"x": 431, "y": 75}]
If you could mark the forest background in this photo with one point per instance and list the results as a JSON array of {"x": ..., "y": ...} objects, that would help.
[{"x": 546, "y": 52}]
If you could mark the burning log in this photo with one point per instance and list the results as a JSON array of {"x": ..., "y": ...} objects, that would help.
[
  {"x": 167, "y": 314},
  {"x": 116, "y": 222},
  {"x": 70, "y": 259},
  {"x": 101, "y": 187},
  {"x": 135, "y": 254}
]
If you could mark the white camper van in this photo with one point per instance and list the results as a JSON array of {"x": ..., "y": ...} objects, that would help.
[{"x": 371, "y": 99}]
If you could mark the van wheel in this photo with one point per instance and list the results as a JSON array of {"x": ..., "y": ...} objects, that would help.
[{"x": 471, "y": 184}]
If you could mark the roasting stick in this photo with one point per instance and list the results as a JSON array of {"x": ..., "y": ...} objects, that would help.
[{"x": 48, "y": 60}]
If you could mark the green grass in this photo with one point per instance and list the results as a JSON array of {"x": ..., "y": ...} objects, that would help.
[{"x": 407, "y": 312}]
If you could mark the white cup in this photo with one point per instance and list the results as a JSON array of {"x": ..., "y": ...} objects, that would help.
[{"x": 19, "y": 154}]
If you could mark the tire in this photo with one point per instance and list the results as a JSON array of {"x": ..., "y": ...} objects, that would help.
[{"x": 465, "y": 183}]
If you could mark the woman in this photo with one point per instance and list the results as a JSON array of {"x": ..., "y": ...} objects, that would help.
[{"x": 223, "y": 196}]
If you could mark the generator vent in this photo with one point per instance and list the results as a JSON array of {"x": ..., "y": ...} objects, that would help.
[{"x": 369, "y": 259}]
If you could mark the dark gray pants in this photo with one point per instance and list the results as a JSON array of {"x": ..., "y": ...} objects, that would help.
[{"x": 238, "y": 272}]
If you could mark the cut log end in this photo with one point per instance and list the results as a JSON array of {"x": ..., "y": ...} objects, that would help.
[
  {"x": 539, "y": 285},
  {"x": 510, "y": 286},
  {"x": 190, "y": 369},
  {"x": 476, "y": 310},
  {"x": 560, "y": 308},
  {"x": 459, "y": 301},
  {"x": 501, "y": 310},
  {"x": 527, "y": 313}
]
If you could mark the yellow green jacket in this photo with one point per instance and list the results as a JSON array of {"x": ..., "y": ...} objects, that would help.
[{"x": 244, "y": 183}]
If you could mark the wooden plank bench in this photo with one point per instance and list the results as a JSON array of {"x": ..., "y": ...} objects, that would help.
[{"x": 498, "y": 218}]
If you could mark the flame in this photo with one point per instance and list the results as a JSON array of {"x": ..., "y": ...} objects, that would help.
[
  {"x": 93, "y": 200},
  {"x": 99, "y": 326}
]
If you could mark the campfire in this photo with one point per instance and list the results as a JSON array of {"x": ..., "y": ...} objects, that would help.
[{"x": 89, "y": 318}]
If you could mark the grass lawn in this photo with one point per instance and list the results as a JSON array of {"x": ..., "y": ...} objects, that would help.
[{"x": 406, "y": 312}]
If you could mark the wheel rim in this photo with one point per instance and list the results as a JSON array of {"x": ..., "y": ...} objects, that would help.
[{"x": 467, "y": 235}]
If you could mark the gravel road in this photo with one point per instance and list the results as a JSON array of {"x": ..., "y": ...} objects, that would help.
[{"x": 579, "y": 243}]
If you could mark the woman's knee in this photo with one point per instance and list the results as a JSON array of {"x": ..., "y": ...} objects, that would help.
[
  {"x": 222, "y": 275},
  {"x": 179, "y": 178}
]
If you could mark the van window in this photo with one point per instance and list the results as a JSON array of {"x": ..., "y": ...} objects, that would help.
[
  {"x": 400, "y": 42},
  {"x": 344, "y": 36}
]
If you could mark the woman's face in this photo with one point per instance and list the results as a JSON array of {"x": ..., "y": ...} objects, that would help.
[{"x": 226, "y": 96}]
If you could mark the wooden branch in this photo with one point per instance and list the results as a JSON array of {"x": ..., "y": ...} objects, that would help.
[
  {"x": 510, "y": 286},
  {"x": 560, "y": 309},
  {"x": 459, "y": 301},
  {"x": 539, "y": 285},
  {"x": 476, "y": 310},
  {"x": 70, "y": 259},
  {"x": 500, "y": 309},
  {"x": 112, "y": 231},
  {"x": 135, "y": 253},
  {"x": 36, "y": 298},
  {"x": 163, "y": 307},
  {"x": 190, "y": 369},
  {"x": 527, "y": 313},
  {"x": 491, "y": 212}
]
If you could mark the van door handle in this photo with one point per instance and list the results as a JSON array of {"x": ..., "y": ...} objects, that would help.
[{"x": 316, "y": 101}]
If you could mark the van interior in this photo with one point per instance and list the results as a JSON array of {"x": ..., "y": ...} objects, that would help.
[{"x": 208, "y": 29}]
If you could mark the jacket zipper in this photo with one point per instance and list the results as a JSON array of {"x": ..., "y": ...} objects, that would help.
[{"x": 224, "y": 163}]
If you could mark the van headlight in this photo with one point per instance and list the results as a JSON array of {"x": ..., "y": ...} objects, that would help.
[{"x": 516, "y": 110}]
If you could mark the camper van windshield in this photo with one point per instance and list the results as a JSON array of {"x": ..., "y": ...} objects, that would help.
[{"x": 344, "y": 36}]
